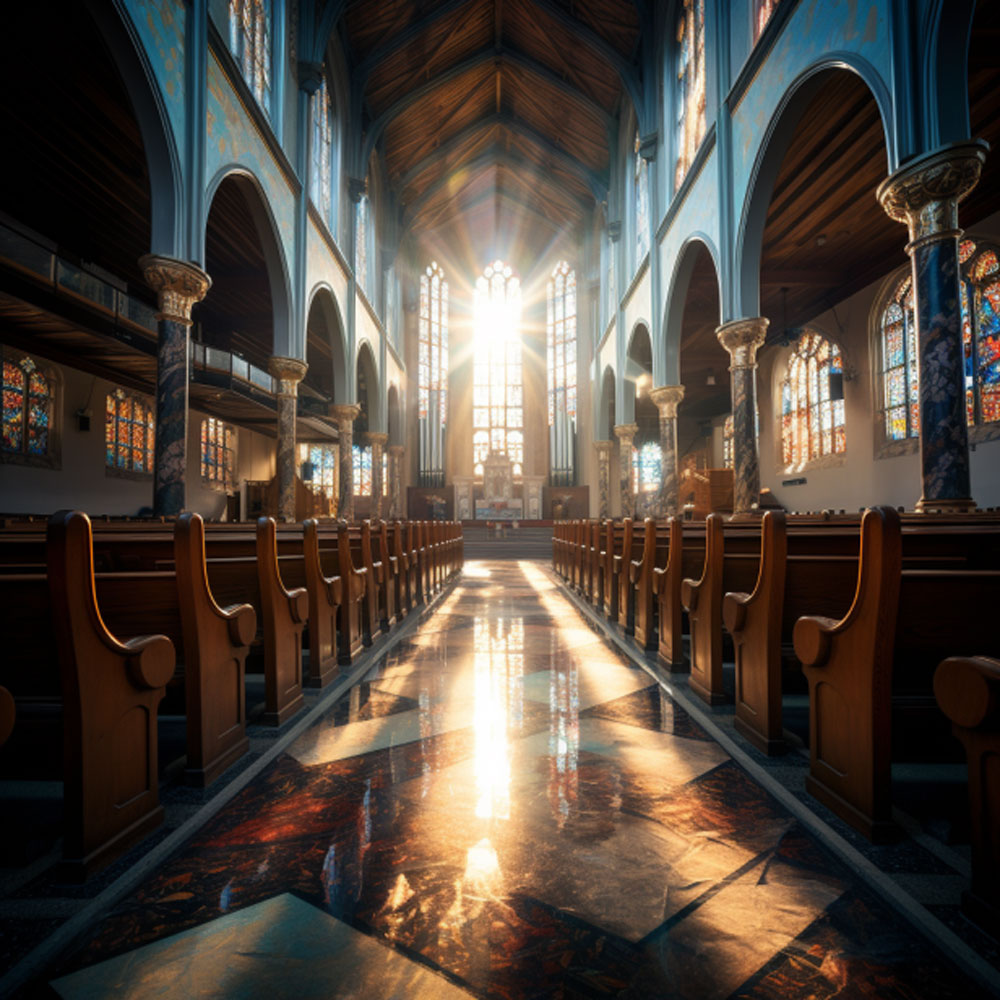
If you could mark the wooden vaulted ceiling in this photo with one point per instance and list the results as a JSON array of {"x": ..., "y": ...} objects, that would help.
[{"x": 506, "y": 100}]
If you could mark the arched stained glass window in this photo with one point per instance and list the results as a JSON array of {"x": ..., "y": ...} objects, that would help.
[
  {"x": 900, "y": 383},
  {"x": 218, "y": 452},
  {"x": 27, "y": 408},
  {"x": 320, "y": 464},
  {"x": 812, "y": 421},
  {"x": 129, "y": 432},
  {"x": 561, "y": 340},
  {"x": 361, "y": 243},
  {"x": 432, "y": 374},
  {"x": 763, "y": 9},
  {"x": 250, "y": 42},
  {"x": 689, "y": 97},
  {"x": 727, "y": 442},
  {"x": 647, "y": 464},
  {"x": 498, "y": 386},
  {"x": 321, "y": 181},
  {"x": 362, "y": 455},
  {"x": 641, "y": 181}
]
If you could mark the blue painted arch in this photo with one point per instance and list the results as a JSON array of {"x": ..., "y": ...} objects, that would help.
[{"x": 673, "y": 311}]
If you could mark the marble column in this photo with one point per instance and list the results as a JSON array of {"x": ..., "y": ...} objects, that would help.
[
  {"x": 178, "y": 285},
  {"x": 741, "y": 338},
  {"x": 345, "y": 415},
  {"x": 377, "y": 440},
  {"x": 625, "y": 434},
  {"x": 925, "y": 194},
  {"x": 667, "y": 398},
  {"x": 603, "y": 449},
  {"x": 396, "y": 453},
  {"x": 288, "y": 372}
]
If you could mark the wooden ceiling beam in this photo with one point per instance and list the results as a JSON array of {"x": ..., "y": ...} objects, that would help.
[
  {"x": 442, "y": 218},
  {"x": 595, "y": 182},
  {"x": 484, "y": 56}
]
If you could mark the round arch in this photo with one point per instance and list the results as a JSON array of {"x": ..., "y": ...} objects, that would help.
[
  {"x": 270, "y": 244},
  {"x": 162, "y": 159},
  {"x": 324, "y": 302},
  {"x": 771, "y": 153},
  {"x": 677, "y": 292},
  {"x": 366, "y": 367}
]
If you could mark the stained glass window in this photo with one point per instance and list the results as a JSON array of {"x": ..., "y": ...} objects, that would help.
[
  {"x": 322, "y": 461},
  {"x": 727, "y": 442},
  {"x": 498, "y": 385},
  {"x": 129, "y": 432},
  {"x": 641, "y": 179},
  {"x": 362, "y": 455},
  {"x": 27, "y": 408},
  {"x": 385, "y": 474},
  {"x": 763, "y": 9},
  {"x": 980, "y": 304},
  {"x": 432, "y": 373},
  {"x": 812, "y": 420},
  {"x": 647, "y": 462},
  {"x": 321, "y": 187},
  {"x": 689, "y": 96},
  {"x": 250, "y": 41},
  {"x": 218, "y": 452},
  {"x": 361, "y": 243}
]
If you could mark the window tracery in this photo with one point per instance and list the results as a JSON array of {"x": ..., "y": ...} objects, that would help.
[
  {"x": 218, "y": 452},
  {"x": 28, "y": 408},
  {"x": 250, "y": 42},
  {"x": 432, "y": 373},
  {"x": 322, "y": 148},
  {"x": 812, "y": 420},
  {"x": 129, "y": 432},
  {"x": 689, "y": 97}
]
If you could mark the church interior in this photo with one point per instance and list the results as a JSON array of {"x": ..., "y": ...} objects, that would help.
[{"x": 325, "y": 676}]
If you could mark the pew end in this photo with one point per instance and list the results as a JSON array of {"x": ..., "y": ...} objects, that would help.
[{"x": 968, "y": 692}]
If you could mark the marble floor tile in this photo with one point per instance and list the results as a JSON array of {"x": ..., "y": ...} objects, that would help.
[{"x": 278, "y": 948}]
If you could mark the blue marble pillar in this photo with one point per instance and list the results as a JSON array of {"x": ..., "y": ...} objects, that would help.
[
  {"x": 925, "y": 194},
  {"x": 626, "y": 435},
  {"x": 603, "y": 478},
  {"x": 179, "y": 285},
  {"x": 288, "y": 372},
  {"x": 741, "y": 338},
  {"x": 667, "y": 398},
  {"x": 345, "y": 415}
]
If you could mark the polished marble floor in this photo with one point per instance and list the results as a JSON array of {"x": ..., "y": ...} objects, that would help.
[{"x": 505, "y": 808}]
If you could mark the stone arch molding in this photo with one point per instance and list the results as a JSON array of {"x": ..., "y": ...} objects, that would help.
[
  {"x": 283, "y": 344},
  {"x": 771, "y": 152}
]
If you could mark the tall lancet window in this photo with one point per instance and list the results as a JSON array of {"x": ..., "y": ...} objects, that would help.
[
  {"x": 689, "y": 94},
  {"x": 432, "y": 372},
  {"x": 561, "y": 330},
  {"x": 641, "y": 205},
  {"x": 250, "y": 42},
  {"x": 321, "y": 181},
  {"x": 812, "y": 403},
  {"x": 498, "y": 386}
]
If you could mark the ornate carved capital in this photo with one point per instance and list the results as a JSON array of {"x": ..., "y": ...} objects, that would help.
[
  {"x": 177, "y": 283},
  {"x": 741, "y": 338},
  {"x": 289, "y": 372},
  {"x": 667, "y": 398},
  {"x": 603, "y": 449},
  {"x": 310, "y": 76},
  {"x": 626, "y": 431},
  {"x": 377, "y": 438},
  {"x": 925, "y": 192},
  {"x": 345, "y": 413},
  {"x": 396, "y": 450}
]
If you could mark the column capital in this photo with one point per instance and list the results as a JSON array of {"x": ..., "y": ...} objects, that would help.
[
  {"x": 357, "y": 188},
  {"x": 925, "y": 192},
  {"x": 396, "y": 450},
  {"x": 179, "y": 284},
  {"x": 310, "y": 76},
  {"x": 623, "y": 431},
  {"x": 603, "y": 448},
  {"x": 376, "y": 437},
  {"x": 741, "y": 338},
  {"x": 289, "y": 372},
  {"x": 667, "y": 398},
  {"x": 342, "y": 412}
]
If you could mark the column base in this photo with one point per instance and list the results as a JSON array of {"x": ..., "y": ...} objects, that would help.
[{"x": 952, "y": 505}]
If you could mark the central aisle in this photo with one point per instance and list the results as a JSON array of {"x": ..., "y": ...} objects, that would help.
[{"x": 505, "y": 808}]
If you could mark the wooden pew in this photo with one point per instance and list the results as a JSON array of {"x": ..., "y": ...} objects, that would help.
[
  {"x": 608, "y": 553},
  {"x": 354, "y": 584},
  {"x": 326, "y": 594},
  {"x": 597, "y": 533},
  {"x": 390, "y": 569},
  {"x": 968, "y": 691},
  {"x": 667, "y": 588},
  {"x": 256, "y": 580},
  {"x": 110, "y": 693},
  {"x": 728, "y": 566},
  {"x": 619, "y": 568},
  {"x": 886, "y": 647},
  {"x": 655, "y": 554},
  {"x": 397, "y": 542}
]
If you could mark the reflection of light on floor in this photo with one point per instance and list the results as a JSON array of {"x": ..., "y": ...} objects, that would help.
[
  {"x": 481, "y": 864},
  {"x": 571, "y": 630},
  {"x": 564, "y": 734},
  {"x": 448, "y": 604},
  {"x": 476, "y": 569},
  {"x": 498, "y": 706}
]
